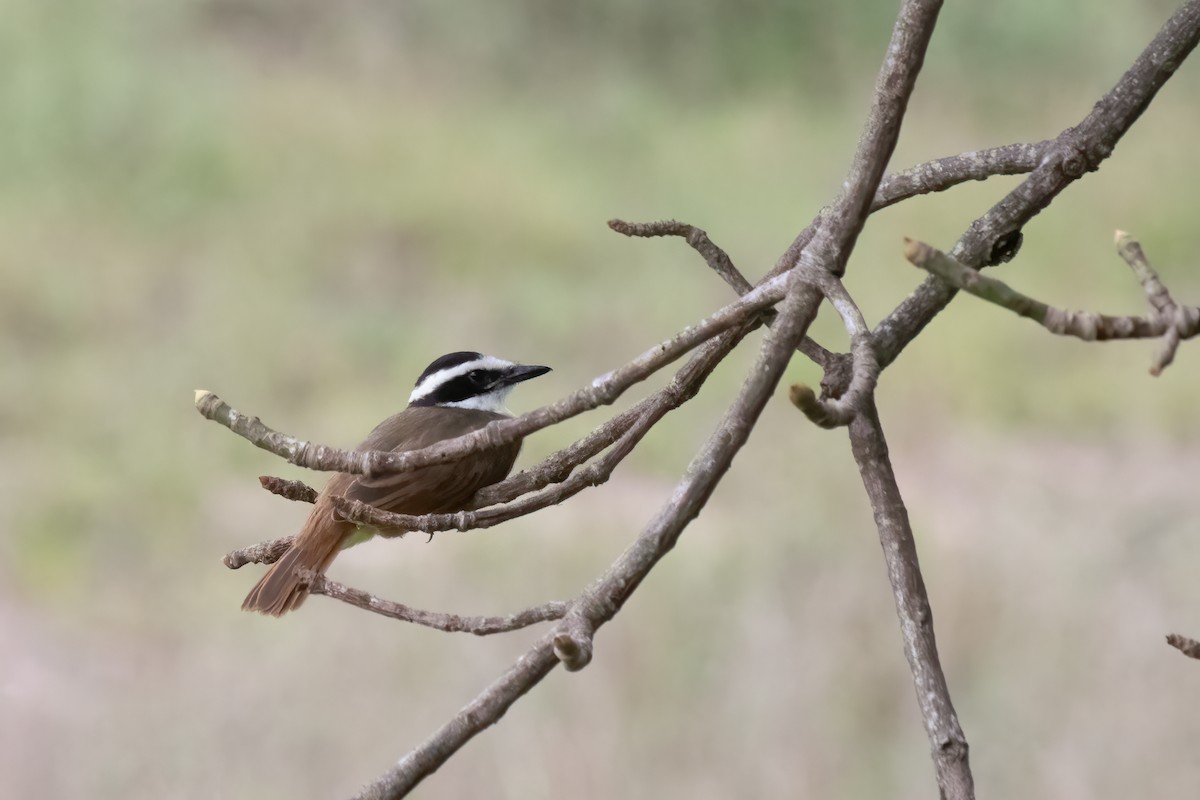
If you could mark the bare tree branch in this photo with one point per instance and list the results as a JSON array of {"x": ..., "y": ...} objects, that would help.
[
  {"x": 946, "y": 738},
  {"x": 716, "y": 258},
  {"x": 945, "y": 173},
  {"x": 1177, "y": 317},
  {"x": 450, "y": 623},
  {"x": 1181, "y": 322}
]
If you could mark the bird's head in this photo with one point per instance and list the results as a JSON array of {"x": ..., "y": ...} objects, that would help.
[{"x": 470, "y": 380}]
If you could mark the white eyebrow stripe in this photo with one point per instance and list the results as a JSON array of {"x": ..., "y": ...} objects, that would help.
[{"x": 432, "y": 382}]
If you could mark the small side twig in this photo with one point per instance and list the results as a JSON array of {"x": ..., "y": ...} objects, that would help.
[
  {"x": 1188, "y": 646},
  {"x": 719, "y": 261},
  {"x": 450, "y": 623},
  {"x": 944, "y": 173},
  {"x": 714, "y": 256},
  {"x": 1159, "y": 298}
]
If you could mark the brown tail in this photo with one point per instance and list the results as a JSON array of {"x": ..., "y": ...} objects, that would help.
[{"x": 281, "y": 589}]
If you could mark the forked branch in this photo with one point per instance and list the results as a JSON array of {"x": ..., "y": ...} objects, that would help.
[{"x": 1167, "y": 319}]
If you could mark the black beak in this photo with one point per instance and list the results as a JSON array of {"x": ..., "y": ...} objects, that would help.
[{"x": 522, "y": 372}]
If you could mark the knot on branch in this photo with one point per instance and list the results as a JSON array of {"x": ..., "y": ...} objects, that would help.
[
  {"x": 839, "y": 370},
  {"x": 1005, "y": 248},
  {"x": 1076, "y": 163}
]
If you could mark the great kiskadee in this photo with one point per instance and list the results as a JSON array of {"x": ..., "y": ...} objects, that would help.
[{"x": 456, "y": 394}]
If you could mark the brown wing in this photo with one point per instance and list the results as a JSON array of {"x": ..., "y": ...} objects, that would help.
[{"x": 437, "y": 488}]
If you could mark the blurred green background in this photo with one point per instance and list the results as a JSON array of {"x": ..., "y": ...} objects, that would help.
[{"x": 298, "y": 204}]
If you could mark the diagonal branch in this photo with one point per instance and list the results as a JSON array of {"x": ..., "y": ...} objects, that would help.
[{"x": 946, "y": 738}]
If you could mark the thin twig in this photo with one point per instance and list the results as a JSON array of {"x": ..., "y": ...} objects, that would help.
[
  {"x": 1160, "y": 300},
  {"x": 1189, "y": 647},
  {"x": 719, "y": 261},
  {"x": 947, "y": 741},
  {"x": 450, "y": 623},
  {"x": 716, "y": 258},
  {"x": 944, "y": 173},
  {"x": 1086, "y": 325}
]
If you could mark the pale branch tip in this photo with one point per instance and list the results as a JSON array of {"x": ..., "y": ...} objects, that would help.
[{"x": 805, "y": 399}]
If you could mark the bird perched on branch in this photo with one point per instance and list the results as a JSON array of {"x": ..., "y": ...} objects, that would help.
[{"x": 455, "y": 395}]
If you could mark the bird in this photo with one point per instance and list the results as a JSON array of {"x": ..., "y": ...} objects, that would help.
[{"x": 458, "y": 393}]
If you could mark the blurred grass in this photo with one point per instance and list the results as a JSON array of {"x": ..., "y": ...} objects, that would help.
[{"x": 297, "y": 205}]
